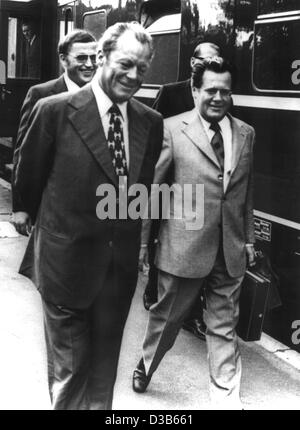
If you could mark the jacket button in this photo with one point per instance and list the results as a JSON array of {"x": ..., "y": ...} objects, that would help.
[
  {"x": 220, "y": 177},
  {"x": 110, "y": 243}
]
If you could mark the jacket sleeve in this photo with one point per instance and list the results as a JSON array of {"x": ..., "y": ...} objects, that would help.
[
  {"x": 160, "y": 175},
  {"x": 249, "y": 219},
  {"x": 31, "y": 99},
  {"x": 35, "y": 157}
]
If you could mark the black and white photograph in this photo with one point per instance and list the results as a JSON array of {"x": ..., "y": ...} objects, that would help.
[{"x": 150, "y": 207}]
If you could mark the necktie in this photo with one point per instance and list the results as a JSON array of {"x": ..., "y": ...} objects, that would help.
[
  {"x": 217, "y": 143},
  {"x": 115, "y": 140}
]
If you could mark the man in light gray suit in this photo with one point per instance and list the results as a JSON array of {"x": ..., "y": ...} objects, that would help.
[{"x": 206, "y": 146}]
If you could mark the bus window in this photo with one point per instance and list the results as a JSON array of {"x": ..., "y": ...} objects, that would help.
[
  {"x": 208, "y": 21},
  {"x": 166, "y": 39},
  {"x": 23, "y": 49},
  {"x": 276, "y": 51},
  {"x": 242, "y": 43},
  {"x": 11, "y": 48},
  {"x": 275, "y": 6},
  {"x": 2, "y": 73},
  {"x": 152, "y": 10},
  {"x": 95, "y": 22}
]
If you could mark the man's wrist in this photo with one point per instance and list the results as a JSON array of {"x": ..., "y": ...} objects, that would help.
[{"x": 144, "y": 245}]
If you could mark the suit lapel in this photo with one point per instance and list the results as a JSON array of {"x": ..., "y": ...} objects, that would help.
[
  {"x": 84, "y": 116},
  {"x": 194, "y": 130},
  {"x": 238, "y": 141},
  {"x": 59, "y": 86},
  {"x": 138, "y": 136}
]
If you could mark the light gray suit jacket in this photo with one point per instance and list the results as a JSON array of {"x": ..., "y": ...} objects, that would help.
[{"x": 228, "y": 216}]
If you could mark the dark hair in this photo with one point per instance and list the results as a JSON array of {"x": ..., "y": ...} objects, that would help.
[
  {"x": 76, "y": 36},
  {"x": 199, "y": 47},
  {"x": 28, "y": 22},
  {"x": 109, "y": 40},
  {"x": 213, "y": 64}
]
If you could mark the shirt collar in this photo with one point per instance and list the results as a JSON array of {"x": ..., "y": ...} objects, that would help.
[
  {"x": 104, "y": 102},
  {"x": 71, "y": 85},
  {"x": 225, "y": 122},
  {"x": 33, "y": 39}
]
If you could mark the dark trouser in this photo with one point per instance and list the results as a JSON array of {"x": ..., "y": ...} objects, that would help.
[
  {"x": 83, "y": 346},
  {"x": 151, "y": 287}
]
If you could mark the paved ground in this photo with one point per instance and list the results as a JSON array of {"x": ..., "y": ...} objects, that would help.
[{"x": 181, "y": 382}]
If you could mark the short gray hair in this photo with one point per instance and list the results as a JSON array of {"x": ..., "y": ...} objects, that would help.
[{"x": 110, "y": 37}]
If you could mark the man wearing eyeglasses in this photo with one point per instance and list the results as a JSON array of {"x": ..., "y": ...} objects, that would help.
[
  {"x": 206, "y": 146},
  {"x": 77, "y": 54}
]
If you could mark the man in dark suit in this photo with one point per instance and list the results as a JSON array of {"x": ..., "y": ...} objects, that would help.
[
  {"x": 85, "y": 265},
  {"x": 77, "y": 54},
  {"x": 210, "y": 147},
  {"x": 32, "y": 63},
  {"x": 171, "y": 100},
  {"x": 176, "y": 97}
]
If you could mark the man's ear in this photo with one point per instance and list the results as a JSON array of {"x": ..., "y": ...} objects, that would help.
[
  {"x": 194, "y": 93},
  {"x": 63, "y": 60},
  {"x": 100, "y": 58},
  {"x": 192, "y": 61}
]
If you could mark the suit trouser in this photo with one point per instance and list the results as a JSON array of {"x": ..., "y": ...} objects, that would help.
[
  {"x": 176, "y": 297},
  {"x": 83, "y": 346},
  {"x": 151, "y": 289}
]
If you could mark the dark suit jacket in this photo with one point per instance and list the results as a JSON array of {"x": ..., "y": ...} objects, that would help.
[
  {"x": 35, "y": 93},
  {"x": 33, "y": 59},
  {"x": 174, "y": 99},
  {"x": 57, "y": 180}
]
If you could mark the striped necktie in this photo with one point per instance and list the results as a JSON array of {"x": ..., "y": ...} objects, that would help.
[{"x": 217, "y": 143}]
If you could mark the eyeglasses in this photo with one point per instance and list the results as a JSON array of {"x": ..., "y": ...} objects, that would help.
[
  {"x": 223, "y": 93},
  {"x": 83, "y": 58},
  {"x": 198, "y": 58}
]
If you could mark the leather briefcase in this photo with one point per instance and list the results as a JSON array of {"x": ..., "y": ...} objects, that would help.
[{"x": 253, "y": 305}]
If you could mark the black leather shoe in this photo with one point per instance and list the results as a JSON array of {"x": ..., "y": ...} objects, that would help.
[
  {"x": 195, "y": 326},
  {"x": 148, "y": 301},
  {"x": 140, "y": 380}
]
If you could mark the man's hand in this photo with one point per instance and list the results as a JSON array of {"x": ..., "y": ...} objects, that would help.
[
  {"x": 22, "y": 223},
  {"x": 143, "y": 258},
  {"x": 250, "y": 251}
]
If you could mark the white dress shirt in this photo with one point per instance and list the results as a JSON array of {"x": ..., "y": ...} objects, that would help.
[
  {"x": 226, "y": 131},
  {"x": 104, "y": 104},
  {"x": 32, "y": 40},
  {"x": 71, "y": 86}
]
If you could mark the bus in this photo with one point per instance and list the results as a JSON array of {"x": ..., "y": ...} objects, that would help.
[{"x": 262, "y": 38}]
